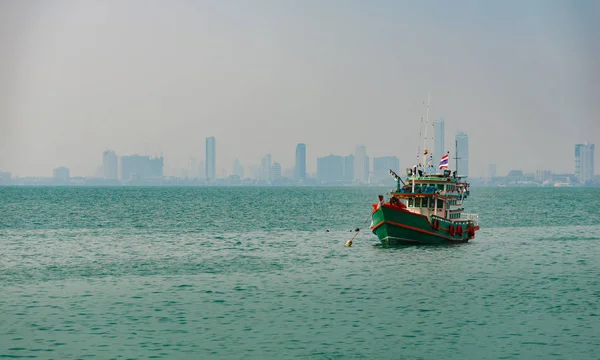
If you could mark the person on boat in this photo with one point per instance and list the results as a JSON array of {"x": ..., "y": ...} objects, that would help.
[{"x": 381, "y": 201}]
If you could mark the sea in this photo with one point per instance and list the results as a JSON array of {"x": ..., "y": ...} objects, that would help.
[{"x": 262, "y": 273}]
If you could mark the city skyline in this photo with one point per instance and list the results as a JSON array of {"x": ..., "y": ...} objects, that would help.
[
  {"x": 331, "y": 170},
  {"x": 292, "y": 73},
  {"x": 145, "y": 166},
  {"x": 112, "y": 164}
]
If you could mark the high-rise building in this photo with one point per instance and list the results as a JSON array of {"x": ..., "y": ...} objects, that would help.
[
  {"x": 361, "y": 168},
  {"x": 211, "y": 159},
  {"x": 265, "y": 168},
  {"x": 542, "y": 175},
  {"x": 584, "y": 163},
  {"x": 110, "y": 164},
  {"x": 141, "y": 167},
  {"x": 61, "y": 173},
  {"x": 382, "y": 165},
  {"x": 330, "y": 168},
  {"x": 349, "y": 168},
  {"x": 439, "y": 147},
  {"x": 462, "y": 153},
  {"x": 276, "y": 171},
  {"x": 238, "y": 169},
  {"x": 300, "y": 169}
]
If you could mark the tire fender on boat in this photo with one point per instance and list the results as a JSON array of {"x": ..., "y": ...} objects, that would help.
[
  {"x": 459, "y": 230},
  {"x": 471, "y": 230},
  {"x": 451, "y": 230}
]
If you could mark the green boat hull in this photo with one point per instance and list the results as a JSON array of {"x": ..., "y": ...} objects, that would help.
[{"x": 395, "y": 226}]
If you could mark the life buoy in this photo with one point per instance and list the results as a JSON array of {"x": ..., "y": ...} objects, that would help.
[
  {"x": 451, "y": 230},
  {"x": 459, "y": 230},
  {"x": 471, "y": 230}
]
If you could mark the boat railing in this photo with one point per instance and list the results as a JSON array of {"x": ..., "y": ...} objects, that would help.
[{"x": 470, "y": 217}]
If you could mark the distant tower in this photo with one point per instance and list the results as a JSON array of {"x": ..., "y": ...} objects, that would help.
[
  {"x": 438, "y": 139},
  {"x": 276, "y": 171},
  {"x": 300, "y": 169},
  {"x": 584, "y": 163},
  {"x": 360, "y": 164},
  {"x": 462, "y": 153},
  {"x": 211, "y": 170},
  {"x": 265, "y": 168},
  {"x": 110, "y": 164}
]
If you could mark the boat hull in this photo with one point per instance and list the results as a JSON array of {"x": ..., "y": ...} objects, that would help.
[{"x": 395, "y": 226}]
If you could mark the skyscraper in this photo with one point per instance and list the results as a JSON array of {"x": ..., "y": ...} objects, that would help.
[
  {"x": 330, "y": 168},
  {"x": 438, "y": 138},
  {"x": 349, "y": 168},
  {"x": 265, "y": 168},
  {"x": 211, "y": 151},
  {"x": 300, "y": 169},
  {"x": 462, "y": 153},
  {"x": 584, "y": 163},
  {"x": 110, "y": 164},
  {"x": 276, "y": 171},
  {"x": 382, "y": 165},
  {"x": 360, "y": 164},
  {"x": 135, "y": 167}
]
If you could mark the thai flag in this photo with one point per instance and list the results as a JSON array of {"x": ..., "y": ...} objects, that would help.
[{"x": 444, "y": 162}]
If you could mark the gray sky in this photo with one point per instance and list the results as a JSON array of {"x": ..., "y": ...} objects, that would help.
[{"x": 522, "y": 78}]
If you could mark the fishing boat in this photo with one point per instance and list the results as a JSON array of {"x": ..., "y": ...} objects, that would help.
[{"x": 426, "y": 208}]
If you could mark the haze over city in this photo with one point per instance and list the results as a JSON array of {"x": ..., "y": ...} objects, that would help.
[{"x": 521, "y": 79}]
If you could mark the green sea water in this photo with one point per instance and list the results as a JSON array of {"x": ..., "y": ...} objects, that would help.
[{"x": 251, "y": 273}]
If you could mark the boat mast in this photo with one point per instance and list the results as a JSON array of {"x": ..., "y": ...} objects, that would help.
[
  {"x": 456, "y": 155},
  {"x": 425, "y": 137}
]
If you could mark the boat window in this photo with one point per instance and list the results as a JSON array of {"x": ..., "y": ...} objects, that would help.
[
  {"x": 410, "y": 202},
  {"x": 417, "y": 202},
  {"x": 431, "y": 203},
  {"x": 441, "y": 186},
  {"x": 440, "y": 204}
]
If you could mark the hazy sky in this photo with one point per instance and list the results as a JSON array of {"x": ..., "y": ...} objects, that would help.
[{"x": 522, "y": 78}]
